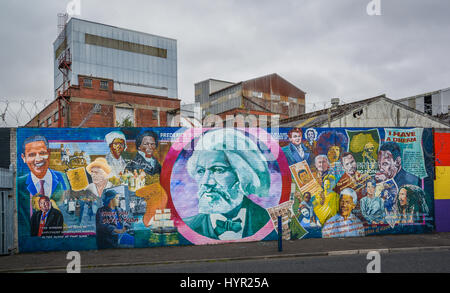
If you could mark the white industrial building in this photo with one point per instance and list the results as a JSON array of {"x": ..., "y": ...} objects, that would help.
[
  {"x": 378, "y": 111},
  {"x": 433, "y": 103}
]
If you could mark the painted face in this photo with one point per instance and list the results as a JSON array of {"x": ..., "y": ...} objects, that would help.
[
  {"x": 327, "y": 184},
  {"x": 117, "y": 147},
  {"x": 311, "y": 135},
  {"x": 44, "y": 205},
  {"x": 98, "y": 175},
  {"x": 322, "y": 164},
  {"x": 148, "y": 146},
  {"x": 387, "y": 165},
  {"x": 370, "y": 189},
  {"x": 307, "y": 197},
  {"x": 296, "y": 138},
  {"x": 369, "y": 148},
  {"x": 349, "y": 165},
  {"x": 333, "y": 153},
  {"x": 217, "y": 182},
  {"x": 115, "y": 201},
  {"x": 304, "y": 177},
  {"x": 305, "y": 213},
  {"x": 36, "y": 157},
  {"x": 346, "y": 205},
  {"x": 402, "y": 197}
]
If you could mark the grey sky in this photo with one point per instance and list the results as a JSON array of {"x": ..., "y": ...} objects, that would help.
[{"x": 327, "y": 48}]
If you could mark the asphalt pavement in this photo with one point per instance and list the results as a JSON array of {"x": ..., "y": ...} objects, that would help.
[{"x": 24, "y": 262}]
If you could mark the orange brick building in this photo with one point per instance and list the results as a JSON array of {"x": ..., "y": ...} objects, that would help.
[
  {"x": 95, "y": 103},
  {"x": 266, "y": 96}
]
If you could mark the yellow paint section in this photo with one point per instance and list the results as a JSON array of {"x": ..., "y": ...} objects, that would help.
[{"x": 442, "y": 183}]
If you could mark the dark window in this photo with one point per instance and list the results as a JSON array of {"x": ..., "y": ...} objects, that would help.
[
  {"x": 56, "y": 116},
  {"x": 154, "y": 114},
  {"x": 428, "y": 105},
  {"x": 125, "y": 46},
  {"x": 104, "y": 84},
  {"x": 87, "y": 82},
  {"x": 49, "y": 121}
]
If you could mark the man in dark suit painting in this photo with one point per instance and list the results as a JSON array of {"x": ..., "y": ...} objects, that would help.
[
  {"x": 48, "y": 221},
  {"x": 146, "y": 144},
  {"x": 390, "y": 166}
]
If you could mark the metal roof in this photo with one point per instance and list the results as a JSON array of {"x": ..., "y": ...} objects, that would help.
[{"x": 319, "y": 118}]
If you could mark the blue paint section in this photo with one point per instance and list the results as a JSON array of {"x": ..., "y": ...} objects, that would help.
[{"x": 442, "y": 207}]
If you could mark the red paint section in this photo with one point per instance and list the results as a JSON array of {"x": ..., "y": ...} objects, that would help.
[{"x": 441, "y": 146}]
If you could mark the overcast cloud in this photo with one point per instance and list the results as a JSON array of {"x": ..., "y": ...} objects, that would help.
[{"x": 328, "y": 48}]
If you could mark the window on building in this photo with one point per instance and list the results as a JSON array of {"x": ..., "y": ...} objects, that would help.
[
  {"x": 87, "y": 82},
  {"x": 428, "y": 105},
  {"x": 104, "y": 84},
  {"x": 155, "y": 114},
  {"x": 275, "y": 97},
  {"x": 293, "y": 100},
  {"x": 257, "y": 95},
  {"x": 56, "y": 116},
  {"x": 49, "y": 121},
  {"x": 42, "y": 124},
  {"x": 124, "y": 117}
]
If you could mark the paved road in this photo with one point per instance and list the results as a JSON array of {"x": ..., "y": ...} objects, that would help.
[{"x": 398, "y": 262}]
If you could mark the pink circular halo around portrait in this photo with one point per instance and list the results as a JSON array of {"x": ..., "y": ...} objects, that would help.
[{"x": 250, "y": 174}]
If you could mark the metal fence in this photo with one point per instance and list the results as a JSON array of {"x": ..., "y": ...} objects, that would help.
[
  {"x": 17, "y": 112},
  {"x": 6, "y": 211}
]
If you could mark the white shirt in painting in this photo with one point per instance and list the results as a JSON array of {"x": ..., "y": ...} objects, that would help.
[{"x": 48, "y": 181}]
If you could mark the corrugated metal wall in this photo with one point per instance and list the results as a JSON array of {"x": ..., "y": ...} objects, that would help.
[
  {"x": 6, "y": 211},
  {"x": 7, "y": 194},
  {"x": 225, "y": 100},
  {"x": 141, "y": 73}
]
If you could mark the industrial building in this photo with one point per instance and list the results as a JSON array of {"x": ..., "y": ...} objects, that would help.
[
  {"x": 378, "y": 111},
  {"x": 432, "y": 103},
  {"x": 105, "y": 76},
  {"x": 267, "y": 95}
]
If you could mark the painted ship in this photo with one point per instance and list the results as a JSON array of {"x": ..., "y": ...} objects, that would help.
[{"x": 162, "y": 222}]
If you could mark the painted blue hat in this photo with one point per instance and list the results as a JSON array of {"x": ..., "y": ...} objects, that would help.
[{"x": 108, "y": 196}]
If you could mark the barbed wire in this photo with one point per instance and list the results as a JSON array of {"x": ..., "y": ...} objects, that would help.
[
  {"x": 15, "y": 112},
  {"x": 18, "y": 112}
]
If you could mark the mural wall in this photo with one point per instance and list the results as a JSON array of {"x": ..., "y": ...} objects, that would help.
[
  {"x": 98, "y": 188},
  {"x": 442, "y": 183}
]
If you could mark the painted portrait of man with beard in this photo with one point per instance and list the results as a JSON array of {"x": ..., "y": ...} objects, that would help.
[{"x": 228, "y": 167}]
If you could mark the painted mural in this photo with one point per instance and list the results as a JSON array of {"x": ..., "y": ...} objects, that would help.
[
  {"x": 442, "y": 182},
  {"x": 99, "y": 188}
]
